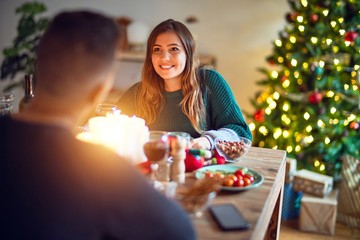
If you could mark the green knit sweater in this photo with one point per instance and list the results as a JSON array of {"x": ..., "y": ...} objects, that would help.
[{"x": 223, "y": 115}]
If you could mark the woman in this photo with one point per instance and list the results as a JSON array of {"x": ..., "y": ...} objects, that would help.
[{"x": 174, "y": 95}]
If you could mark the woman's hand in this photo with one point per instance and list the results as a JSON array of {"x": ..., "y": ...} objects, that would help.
[{"x": 200, "y": 143}]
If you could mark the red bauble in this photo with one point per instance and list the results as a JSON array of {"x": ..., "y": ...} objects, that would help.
[
  {"x": 291, "y": 17},
  {"x": 350, "y": 36},
  {"x": 314, "y": 18},
  {"x": 283, "y": 78},
  {"x": 315, "y": 97},
  {"x": 259, "y": 115},
  {"x": 354, "y": 125},
  {"x": 271, "y": 61}
]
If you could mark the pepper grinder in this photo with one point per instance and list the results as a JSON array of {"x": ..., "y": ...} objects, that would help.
[{"x": 177, "y": 172}]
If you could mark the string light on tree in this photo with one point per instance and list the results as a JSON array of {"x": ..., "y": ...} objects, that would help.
[{"x": 311, "y": 104}]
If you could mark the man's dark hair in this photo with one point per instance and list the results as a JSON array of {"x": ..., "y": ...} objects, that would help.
[{"x": 81, "y": 43}]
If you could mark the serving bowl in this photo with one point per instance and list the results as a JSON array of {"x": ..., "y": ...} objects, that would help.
[{"x": 232, "y": 151}]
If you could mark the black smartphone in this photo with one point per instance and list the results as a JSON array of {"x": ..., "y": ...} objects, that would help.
[{"x": 228, "y": 217}]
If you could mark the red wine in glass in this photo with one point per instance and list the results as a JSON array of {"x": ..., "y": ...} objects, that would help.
[{"x": 156, "y": 150}]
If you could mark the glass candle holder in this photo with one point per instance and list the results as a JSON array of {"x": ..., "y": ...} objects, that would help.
[{"x": 103, "y": 109}]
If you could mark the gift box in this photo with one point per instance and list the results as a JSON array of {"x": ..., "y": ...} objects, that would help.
[
  {"x": 318, "y": 214},
  {"x": 290, "y": 169},
  {"x": 349, "y": 192},
  {"x": 291, "y": 203},
  {"x": 312, "y": 183}
]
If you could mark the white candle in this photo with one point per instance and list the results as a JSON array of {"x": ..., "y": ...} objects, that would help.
[{"x": 124, "y": 135}]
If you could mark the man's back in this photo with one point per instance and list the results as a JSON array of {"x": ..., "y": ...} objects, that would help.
[{"x": 55, "y": 187}]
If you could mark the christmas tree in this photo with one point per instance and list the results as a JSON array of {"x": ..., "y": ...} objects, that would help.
[{"x": 310, "y": 99}]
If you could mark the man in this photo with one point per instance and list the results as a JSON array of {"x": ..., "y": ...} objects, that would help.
[{"x": 56, "y": 187}]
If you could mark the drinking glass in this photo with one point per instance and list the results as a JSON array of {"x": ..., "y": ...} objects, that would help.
[
  {"x": 6, "y": 109},
  {"x": 183, "y": 135},
  {"x": 6, "y": 99},
  {"x": 156, "y": 150}
]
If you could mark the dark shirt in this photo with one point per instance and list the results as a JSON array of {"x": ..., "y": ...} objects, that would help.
[{"x": 56, "y": 187}]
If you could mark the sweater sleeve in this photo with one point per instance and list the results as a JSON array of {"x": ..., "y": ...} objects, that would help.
[
  {"x": 224, "y": 116},
  {"x": 127, "y": 102}
]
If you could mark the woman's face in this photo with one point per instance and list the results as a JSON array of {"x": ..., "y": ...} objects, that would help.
[{"x": 169, "y": 58}]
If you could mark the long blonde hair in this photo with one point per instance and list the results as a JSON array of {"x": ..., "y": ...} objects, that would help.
[{"x": 150, "y": 99}]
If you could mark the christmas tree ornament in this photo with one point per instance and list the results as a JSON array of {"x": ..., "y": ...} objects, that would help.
[
  {"x": 350, "y": 36},
  {"x": 271, "y": 60},
  {"x": 315, "y": 97},
  {"x": 314, "y": 18},
  {"x": 354, "y": 125},
  {"x": 319, "y": 70},
  {"x": 314, "y": 65},
  {"x": 259, "y": 115},
  {"x": 291, "y": 17}
]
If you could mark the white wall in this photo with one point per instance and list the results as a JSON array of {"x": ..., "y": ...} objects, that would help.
[{"x": 238, "y": 32}]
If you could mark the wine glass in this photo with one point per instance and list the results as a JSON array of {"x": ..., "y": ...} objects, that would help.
[{"x": 156, "y": 150}]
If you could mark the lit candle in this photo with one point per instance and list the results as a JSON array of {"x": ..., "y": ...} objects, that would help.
[{"x": 124, "y": 135}]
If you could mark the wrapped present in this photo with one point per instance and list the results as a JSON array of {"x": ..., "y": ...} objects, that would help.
[
  {"x": 291, "y": 203},
  {"x": 313, "y": 183},
  {"x": 349, "y": 192},
  {"x": 318, "y": 214},
  {"x": 290, "y": 169}
]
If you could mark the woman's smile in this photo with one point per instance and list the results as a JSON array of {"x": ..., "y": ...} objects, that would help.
[{"x": 169, "y": 59}]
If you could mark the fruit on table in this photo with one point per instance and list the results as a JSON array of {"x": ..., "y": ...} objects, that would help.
[
  {"x": 239, "y": 182},
  {"x": 239, "y": 178},
  {"x": 240, "y": 172},
  {"x": 228, "y": 182}
]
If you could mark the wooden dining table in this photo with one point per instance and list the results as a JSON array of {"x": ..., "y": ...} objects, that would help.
[{"x": 260, "y": 206}]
